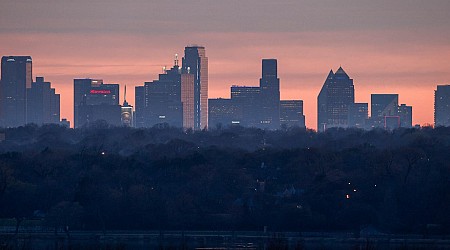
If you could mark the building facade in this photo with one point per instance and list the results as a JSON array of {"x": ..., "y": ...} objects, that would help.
[
  {"x": 195, "y": 62},
  {"x": 442, "y": 106},
  {"x": 358, "y": 115},
  {"x": 335, "y": 98},
  {"x": 16, "y": 78},
  {"x": 269, "y": 85},
  {"x": 43, "y": 104},
  {"x": 96, "y": 101},
  {"x": 291, "y": 113}
]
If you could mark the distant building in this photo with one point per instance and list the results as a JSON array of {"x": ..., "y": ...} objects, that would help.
[
  {"x": 247, "y": 101},
  {"x": 270, "y": 95},
  {"x": 163, "y": 100},
  {"x": 195, "y": 62},
  {"x": 383, "y": 105},
  {"x": 222, "y": 113},
  {"x": 187, "y": 99},
  {"x": 95, "y": 101},
  {"x": 140, "y": 106},
  {"x": 405, "y": 114},
  {"x": 335, "y": 98},
  {"x": 442, "y": 106},
  {"x": 358, "y": 115},
  {"x": 291, "y": 113},
  {"x": 387, "y": 114},
  {"x": 43, "y": 104},
  {"x": 16, "y": 78},
  {"x": 126, "y": 114}
]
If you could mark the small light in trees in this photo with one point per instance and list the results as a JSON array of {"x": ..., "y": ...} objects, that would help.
[
  {"x": 354, "y": 190},
  {"x": 347, "y": 196},
  {"x": 103, "y": 153},
  {"x": 349, "y": 183},
  {"x": 375, "y": 185}
]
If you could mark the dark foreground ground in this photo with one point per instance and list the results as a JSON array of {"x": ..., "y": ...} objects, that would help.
[{"x": 217, "y": 240}]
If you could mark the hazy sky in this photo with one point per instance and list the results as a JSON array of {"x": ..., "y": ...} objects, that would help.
[{"x": 391, "y": 46}]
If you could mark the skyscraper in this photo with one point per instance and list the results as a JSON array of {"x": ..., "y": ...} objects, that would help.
[
  {"x": 195, "y": 62},
  {"x": 405, "y": 114},
  {"x": 442, "y": 106},
  {"x": 358, "y": 115},
  {"x": 270, "y": 95},
  {"x": 95, "y": 101},
  {"x": 43, "y": 104},
  {"x": 384, "y": 110},
  {"x": 187, "y": 99},
  {"x": 335, "y": 98},
  {"x": 16, "y": 77},
  {"x": 291, "y": 113},
  {"x": 247, "y": 101},
  {"x": 222, "y": 113}
]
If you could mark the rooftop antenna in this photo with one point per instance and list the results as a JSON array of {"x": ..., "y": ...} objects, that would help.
[
  {"x": 164, "y": 69},
  {"x": 176, "y": 60}
]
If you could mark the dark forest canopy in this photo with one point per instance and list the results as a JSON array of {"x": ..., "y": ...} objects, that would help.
[{"x": 227, "y": 179}]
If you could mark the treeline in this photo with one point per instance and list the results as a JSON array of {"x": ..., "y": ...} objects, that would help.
[{"x": 103, "y": 178}]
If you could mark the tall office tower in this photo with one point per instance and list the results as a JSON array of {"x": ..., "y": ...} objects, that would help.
[
  {"x": 139, "y": 102},
  {"x": 291, "y": 113},
  {"x": 126, "y": 114},
  {"x": 384, "y": 111},
  {"x": 358, "y": 115},
  {"x": 335, "y": 98},
  {"x": 43, "y": 104},
  {"x": 270, "y": 95},
  {"x": 222, "y": 113},
  {"x": 95, "y": 101},
  {"x": 195, "y": 62},
  {"x": 248, "y": 105},
  {"x": 405, "y": 114},
  {"x": 163, "y": 100},
  {"x": 442, "y": 106},
  {"x": 16, "y": 78},
  {"x": 187, "y": 99}
]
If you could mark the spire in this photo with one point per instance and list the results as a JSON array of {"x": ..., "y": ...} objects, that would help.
[
  {"x": 125, "y": 94},
  {"x": 125, "y": 103}
]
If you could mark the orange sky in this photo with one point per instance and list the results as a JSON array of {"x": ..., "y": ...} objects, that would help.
[{"x": 385, "y": 47}]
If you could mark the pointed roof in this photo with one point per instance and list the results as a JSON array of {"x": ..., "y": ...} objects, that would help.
[
  {"x": 330, "y": 75},
  {"x": 340, "y": 71}
]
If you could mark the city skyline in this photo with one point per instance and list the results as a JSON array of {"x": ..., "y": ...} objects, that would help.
[{"x": 389, "y": 47}]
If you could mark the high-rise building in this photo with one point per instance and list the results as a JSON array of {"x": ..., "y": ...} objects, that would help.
[
  {"x": 358, "y": 115},
  {"x": 95, "y": 101},
  {"x": 222, "y": 113},
  {"x": 16, "y": 77},
  {"x": 140, "y": 106},
  {"x": 43, "y": 104},
  {"x": 195, "y": 62},
  {"x": 126, "y": 114},
  {"x": 247, "y": 101},
  {"x": 335, "y": 98},
  {"x": 187, "y": 99},
  {"x": 291, "y": 113},
  {"x": 163, "y": 100},
  {"x": 405, "y": 114},
  {"x": 270, "y": 95},
  {"x": 442, "y": 106},
  {"x": 384, "y": 109}
]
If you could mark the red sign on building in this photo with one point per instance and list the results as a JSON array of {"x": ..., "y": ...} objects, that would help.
[{"x": 100, "y": 91}]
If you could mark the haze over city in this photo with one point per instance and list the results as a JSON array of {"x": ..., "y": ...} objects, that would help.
[{"x": 385, "y": 46}]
